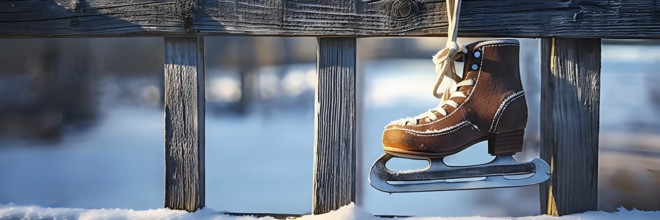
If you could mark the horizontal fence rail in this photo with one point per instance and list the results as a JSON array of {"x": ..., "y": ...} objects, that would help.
[{"x": 356, "y": 18}]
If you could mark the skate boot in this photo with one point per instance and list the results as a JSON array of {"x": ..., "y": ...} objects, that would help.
[{"x": 486, "y": 103}]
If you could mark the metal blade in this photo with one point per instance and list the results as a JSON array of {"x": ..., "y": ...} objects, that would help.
[{"x": 438, "y": 176}]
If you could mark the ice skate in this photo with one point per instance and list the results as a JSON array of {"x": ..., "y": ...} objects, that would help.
[{"x": 487, "y": 103}]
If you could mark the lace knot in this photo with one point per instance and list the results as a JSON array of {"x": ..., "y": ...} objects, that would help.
[{"x": 444, "y": 55}]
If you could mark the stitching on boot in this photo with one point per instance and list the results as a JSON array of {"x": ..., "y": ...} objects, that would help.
[
  {"x": 500, "y": 45},
  {"x": 430, "y": 131},
  {"x": 502, "y": 108},
  {"x": 442, "y": 132},
  {"x": 497, "y": 41}
]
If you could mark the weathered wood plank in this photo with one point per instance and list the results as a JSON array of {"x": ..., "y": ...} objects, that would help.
[
  {"x": 505, "y": 18},
  {"x": 335, "y": 123},
  {"x": 570, "y": 99},
  {"x": 49, "y": 18},
  {"x": 184, "y": 123}
]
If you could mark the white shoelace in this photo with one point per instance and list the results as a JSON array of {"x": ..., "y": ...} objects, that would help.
[{"x": 445, "y": 67}]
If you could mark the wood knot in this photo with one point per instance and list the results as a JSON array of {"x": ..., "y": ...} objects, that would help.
[
  {"x": 185, "y": 10},
  {"x": 77, "y": 7},
  {"x": 404, "y": 8},
  {"x": 74, "y": 5}
]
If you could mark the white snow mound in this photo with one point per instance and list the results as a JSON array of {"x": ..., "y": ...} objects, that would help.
[{"x": 349, "y": 212}]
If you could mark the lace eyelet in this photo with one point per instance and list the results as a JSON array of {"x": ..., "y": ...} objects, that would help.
[
  {"x": 474, "y": 66},
  {"x": 477, "y": 54}
]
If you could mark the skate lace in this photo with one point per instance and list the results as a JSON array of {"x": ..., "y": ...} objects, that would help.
[{"x": 445, "y": 67}]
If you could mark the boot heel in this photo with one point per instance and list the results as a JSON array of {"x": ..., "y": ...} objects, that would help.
[{"x": 507, "y": 143}]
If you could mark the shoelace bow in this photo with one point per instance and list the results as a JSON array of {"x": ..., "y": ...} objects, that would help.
[{"x": 445, "y": 67}]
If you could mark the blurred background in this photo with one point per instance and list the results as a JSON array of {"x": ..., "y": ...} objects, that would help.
[{"x": 82, "y": 124}]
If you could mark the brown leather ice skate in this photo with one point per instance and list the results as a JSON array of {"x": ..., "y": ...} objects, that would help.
[{"x": 486, "y": 103}]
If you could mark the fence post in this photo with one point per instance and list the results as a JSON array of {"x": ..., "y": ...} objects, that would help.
[
  {"x": 184, "y": 123},
  {"x": 335, "y": 125},
  {"x": 570, "y": 99}
]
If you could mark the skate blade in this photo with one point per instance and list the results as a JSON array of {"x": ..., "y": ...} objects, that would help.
[{"x": 438, "y": 176}]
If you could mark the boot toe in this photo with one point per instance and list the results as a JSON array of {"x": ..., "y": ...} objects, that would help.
[{"x": 396, "y": 139}]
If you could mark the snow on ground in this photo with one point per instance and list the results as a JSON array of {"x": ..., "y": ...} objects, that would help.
[
  {"x": 349, "y": 212},
  {"x": 36, "y": 212}
]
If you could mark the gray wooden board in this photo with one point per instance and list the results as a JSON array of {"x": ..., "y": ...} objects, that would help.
[
  {"x": 362, "y": 18},
  {"x": 570, "y": 99},
  {"x": 184, "y": 123},
  {"x": 335, "y": 125}
]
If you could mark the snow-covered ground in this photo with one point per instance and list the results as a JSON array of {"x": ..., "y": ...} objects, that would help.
[
  {"x": 349, "y": 212},
  {"x": 262, "y": 162}
]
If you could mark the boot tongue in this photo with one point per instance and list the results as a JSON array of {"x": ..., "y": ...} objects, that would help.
[{"x": 467, "y": 74}]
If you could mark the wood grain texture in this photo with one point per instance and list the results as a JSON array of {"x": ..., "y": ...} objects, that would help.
[
  {"x": 479, "y": 18},
  {"x": 570, "y": 99},
  {"x": 39, "y": 18},
  {"x": 184, "y": 123},
  {"x": 335, "y": 125}
]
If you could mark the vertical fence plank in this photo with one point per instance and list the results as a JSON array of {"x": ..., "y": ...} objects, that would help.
[
  {"x": 184, "y": 123},
  {"x": 335, "y": 125},
  {"x": 569, "y": 124}
]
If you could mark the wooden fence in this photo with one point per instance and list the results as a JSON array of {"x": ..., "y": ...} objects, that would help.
[{"x": 571, "y": 32}]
